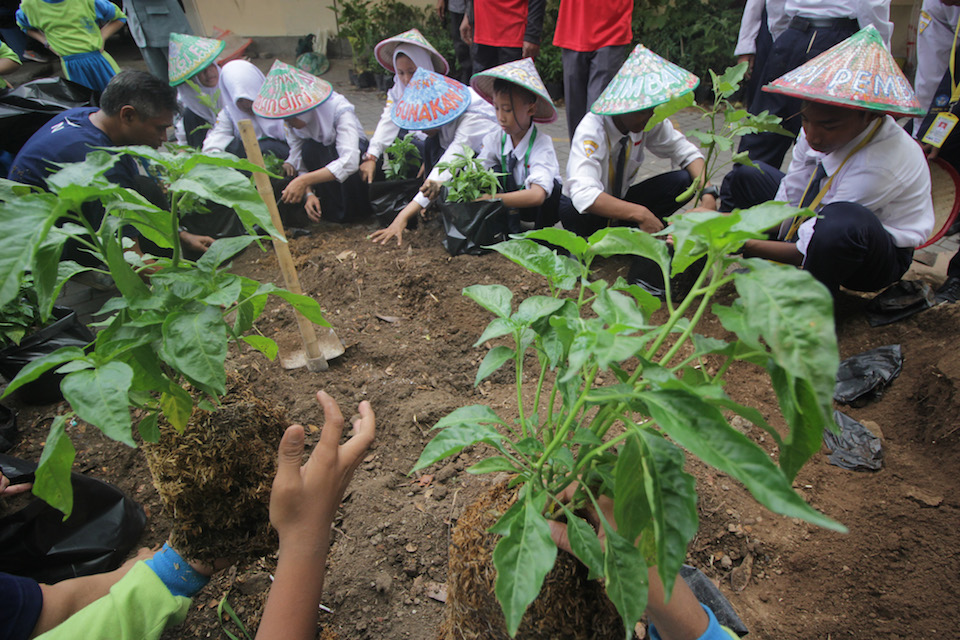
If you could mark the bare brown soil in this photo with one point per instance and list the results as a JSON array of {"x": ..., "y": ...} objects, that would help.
[{"x": 409, "y": 334}]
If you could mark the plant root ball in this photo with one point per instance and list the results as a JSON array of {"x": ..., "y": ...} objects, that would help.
[
  {"x": 214, "y": 479},
  {"x": 569, "y": 606}
]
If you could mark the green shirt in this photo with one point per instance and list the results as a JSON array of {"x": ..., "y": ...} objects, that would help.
[
  {"x": 69, "y": 25},
  {"x": 7, "y": 52}
]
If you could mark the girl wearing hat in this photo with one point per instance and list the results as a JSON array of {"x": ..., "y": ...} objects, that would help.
[
  {"x": 194, "y": 71},
  {"x": 325, "y": 143},
  {"x": 401, "y": 55},
  {"x": 520, "y": 151},
  {"x": 453, "y": 117}
]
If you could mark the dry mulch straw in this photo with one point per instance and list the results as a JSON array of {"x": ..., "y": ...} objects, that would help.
[
  {"x": 569, "y": 605},
  {"x": 214, "y": 479}
]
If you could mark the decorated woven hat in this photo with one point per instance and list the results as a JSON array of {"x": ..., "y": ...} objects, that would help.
[
  {"x": 430, "y": 100},
  {"x": 644, "y": 81},
  {"x": 288, "y": 91},
  {"x": 385, "y": 48},
  {"x": 859, "y": 72},
  {"x": 522, "y": 73},
  {"x": 189, "y": 55}
]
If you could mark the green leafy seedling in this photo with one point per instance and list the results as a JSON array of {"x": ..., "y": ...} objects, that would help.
[
  {"x": 401, "y": 160},
  {"x": 469, "y": 179}
]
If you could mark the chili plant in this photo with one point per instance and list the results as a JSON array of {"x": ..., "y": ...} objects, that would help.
[
  {"x": 469, "y": 179},
  {"x": 401, "y": 160},
  {"x": 662, "y": 393},
  {"x": 164, "y": 340},
  {"x": 727, "y": 122}
]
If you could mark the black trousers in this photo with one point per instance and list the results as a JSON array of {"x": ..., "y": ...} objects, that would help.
[
  {"x": 790, "y": 50},
  {"x": 849, "y": 246},
  {"x": 659, "y": 194},
  {"x": 339, "y": 201},
  {"x": 486, "y": 56}
]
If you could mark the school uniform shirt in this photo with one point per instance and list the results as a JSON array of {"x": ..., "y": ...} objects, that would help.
[
  {"x": 934, "y": 44},
  {"x": 386, "y": 131},
  {"x": 189, "y": 98},
  {"x": 240, "y": 79},
  {"x": 543, "y": 167},
  {"x": 587, "y": 25},
  {"x": 866, "y": 12},
  {"x": 70, "y": 26},
  {"x": 332, "y": 123},
  {"x": 596, "y": 147},
  {"x": 468, "y": 130},
  {"x": 889, "y": 176},
  {"x": 750, "y": 24}
]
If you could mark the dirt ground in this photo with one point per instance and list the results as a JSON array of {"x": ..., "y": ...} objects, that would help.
[{"x": 409, "y": 334}]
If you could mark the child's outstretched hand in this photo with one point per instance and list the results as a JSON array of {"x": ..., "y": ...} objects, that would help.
[{"x": 305, "y": 498}]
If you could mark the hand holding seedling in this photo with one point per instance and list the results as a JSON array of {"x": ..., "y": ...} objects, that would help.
[
  {"x": 303, "y": 503},
  {"x": 431, "y": 189},
  {"x": 296, "y": 190}
]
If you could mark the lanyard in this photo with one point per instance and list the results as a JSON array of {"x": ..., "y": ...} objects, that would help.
[
  {"x": 954, "y": 86},
  {"x": 526, "y": 158},
  {"x": 792, "y": 233}
]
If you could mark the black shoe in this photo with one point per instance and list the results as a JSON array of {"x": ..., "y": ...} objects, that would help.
[
  {"x": 646, "y": 274},
  {"x": 949, "y": 291}
]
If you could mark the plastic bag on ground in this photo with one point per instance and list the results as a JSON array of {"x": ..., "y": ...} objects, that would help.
[
  {"x": 856, "y": 448},
  {"x": 28, "y": 107},
  {"x": 37, "y": 543},
  {"x": 470, "y": 226},
  {"x": 863, "y": 377},
  {"x": 899, "y": 301},
  {"x": 388, "y": 197}
]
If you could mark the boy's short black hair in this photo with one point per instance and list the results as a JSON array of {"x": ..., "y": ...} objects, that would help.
[
  {"x": 514, "y": 90},
  {"x": 149, "y": 95}
]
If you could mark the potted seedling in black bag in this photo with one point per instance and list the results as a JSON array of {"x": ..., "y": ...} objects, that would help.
[
  {"x": 401, "y": 164},
  {"x": 471, "y": 224}
]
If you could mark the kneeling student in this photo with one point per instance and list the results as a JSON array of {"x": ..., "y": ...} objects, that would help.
[
  {"x": 325, "y": 139},
  {"x": 864, "y": 176},
  {"x": 608, "y": 149},
  {"x": 524, "y": 155}
]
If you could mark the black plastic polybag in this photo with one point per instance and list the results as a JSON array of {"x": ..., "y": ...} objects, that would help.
[
  {"x": 855, "y": 448},
  {"x": 67, "y": 331},
  {"x": 899, "y": 301},
  {"x": 863, "y": 377},
  {"x": 25, "y": 109},
  {"x": 708, "y": 594},
  {"x": 388, "y": 197},
  {"x": 37, "y": 543},
  {"x": 470, "y": 226}
]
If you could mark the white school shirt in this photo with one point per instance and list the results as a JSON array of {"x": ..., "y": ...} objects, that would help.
[
  {"x": 866, "y": 12},
  {"x": 889, "y": 176},
  {"x": 468, "y": 130},
  {"x": 332, "y": 123},
  {"x": 596, "y": 147},
  {"x": 387, "y": 130},
  {"x": 544, "y": 167},
  {"x": 750, "y": 24},
  {"x": 934, "y": 44}
]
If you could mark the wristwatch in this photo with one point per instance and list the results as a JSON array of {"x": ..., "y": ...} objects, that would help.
[{"x": 711, "y": 191}]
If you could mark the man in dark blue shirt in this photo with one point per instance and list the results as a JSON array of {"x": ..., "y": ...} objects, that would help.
[{"x": 135, "y": 109}]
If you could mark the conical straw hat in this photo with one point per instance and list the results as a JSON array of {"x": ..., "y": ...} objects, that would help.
[
  {"x": 522, "y": 73},
  {"x": 288, "y": 91},
  {"x": 385, "y": 48},
  {"x": 430, "y": 100},
  {"x": 189, "y": 55},
  {"x": 644, "y": 81},
  {"x": 859, "y": 72}
]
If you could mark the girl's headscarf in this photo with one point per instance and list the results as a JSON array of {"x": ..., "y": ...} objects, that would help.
[
  {"x": 241, "y": 79},
  {"x": 191, "y": 99},
  {"x": 418, "y": 55}
]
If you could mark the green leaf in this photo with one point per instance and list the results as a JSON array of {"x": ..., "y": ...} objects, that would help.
[
  {"x": 561, "y": 272},
  {"x": 630, "y": 510},
  {"x": 536, "y": 307},
  {"x": 46, "y": 270},
  {"x": 222, "y": 250},
  {"x": 52, "y": 479},
  {"x": 148, "y": 427},
  {"x": 522, "y": 559},
  {"x": 495, "y": 298},
  {"x": 24, "y": 221},
  {"x": 307, "y": 306},
  {"x": 493, "y": 465},
  {"x": 99, "y": 396},
  {"x": 560, "y": 237},
  {"x": 472, "y": 414},
  {"x": 264, "y": 345},
  {"x": 672, "y": 497},
  {"x": 498, "y": 327},
  {"x": 230, "y": 188},
  {"x": 38, "y": 367},
  {"x": 195, "y": 344},
  {"x": 626, "y": 573},
  {"x": 177, "y": 406},
  {"x": 494, "y": 359},
  {"x": 126, "y": 279},
  {"x": 730, "y": 81},
  {"x": 701, "y": 429},
  {"x": 663, "y": 111},
  {"x": 227, "y": 292},
  {"x": 620, "y": 241},
  {"x": 453, "y": 439},
  {"x": 618, "y": 310},
  {"x": 584, "y": 543}
]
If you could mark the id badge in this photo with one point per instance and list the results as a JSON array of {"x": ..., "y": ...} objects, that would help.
[{"x": 941, "y": 128}]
